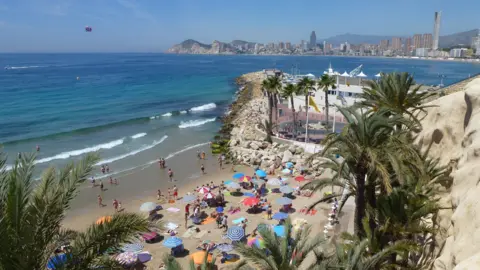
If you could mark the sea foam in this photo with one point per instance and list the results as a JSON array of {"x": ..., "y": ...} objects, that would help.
[
  {"x": 22, "y": 67},
  {"x": 204, "y": 107},
  {"x": 138, "y": 135},
  {"x": 134, "y": 152},
  {"x": 167, "y": 114},
  {"x": 65, "y": 155},
  {"x": 195, "y": 123}
]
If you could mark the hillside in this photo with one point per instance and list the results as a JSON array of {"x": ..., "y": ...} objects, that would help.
[
  {"x": 457, "y": 39},
  {"x": 191, "y": 46}
]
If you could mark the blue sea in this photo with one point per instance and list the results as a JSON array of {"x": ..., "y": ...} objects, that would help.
[{"x": 135, "y": 108}]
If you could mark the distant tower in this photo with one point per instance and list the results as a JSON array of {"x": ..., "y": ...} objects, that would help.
[
  {"x": 313, "y": 40},
  {"x": 436, "y": 30},
  {"x": 324, "y": 47}
]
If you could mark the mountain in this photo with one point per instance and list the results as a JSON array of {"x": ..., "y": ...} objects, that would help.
[
  {"x": 191, "y": 46},
  {"x": 464, "y": 38}
]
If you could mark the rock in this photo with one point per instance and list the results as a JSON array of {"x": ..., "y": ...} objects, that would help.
[
  {"x": 254, "y": 145},
  {"x": 292, "y": 149},
  {"x": 287, "y": 156},
  {"x": 264, "y": 145},
  {"x": 299, "y": 150},
  {"x": 274, "y": 145}
]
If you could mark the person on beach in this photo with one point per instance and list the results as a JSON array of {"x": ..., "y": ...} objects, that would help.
[
  {"x": 111, "y": 180},
  {"x": 99, "y": 198},
  {"x": 198, "y": 154},
  {"x": 225, "y": 223},
  {"x": 163, "y": 163},
  {"x": 92, "y": 180},
  {"x": 168, "y": 194},
  {"x": 101, "y": 185},
  {"x": 187, "y": 214},
  {"x": 170, "y": 174},
  {"x": 203, "y": 169},
  {"x": 115, "y": 181},
  {"x": 38, "y": 148},
  {"x": 103, "y": 169},
  {"x": 203, "y": 154},
  {"x": 269, "y": 212},
  {"x": 175, "y": 192},
  {"x": 119, "y": 206},
  {"x": 115, "y": 205},
  {"x": 107, "y": 168},
  {"x": 159, "y": 194},
  {"x": 220, "y": 162}
]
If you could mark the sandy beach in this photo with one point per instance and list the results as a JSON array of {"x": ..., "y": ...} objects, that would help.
[{"x": 141, "y": 186}]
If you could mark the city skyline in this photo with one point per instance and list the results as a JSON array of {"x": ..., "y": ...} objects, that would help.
[{"x": 130, "y": 25}]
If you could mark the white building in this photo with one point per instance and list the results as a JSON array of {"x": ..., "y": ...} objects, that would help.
[
  {"x": 422, "y": 52},
  {"x": 476, "y": 44},
  {"x": 436, "y": 30},
  {"x": 458, "y": 52}
]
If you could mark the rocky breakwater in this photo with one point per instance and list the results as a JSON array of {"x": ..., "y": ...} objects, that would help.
[
  {"x": 452, "y": 128},
  {"x": 249, "y": 146}
]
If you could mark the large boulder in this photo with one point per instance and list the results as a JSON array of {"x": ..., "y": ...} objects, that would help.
[{"x": 287, "y": 156}]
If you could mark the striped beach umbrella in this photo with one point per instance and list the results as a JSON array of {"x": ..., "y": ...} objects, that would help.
[
  {"x": 225, "y": 247},
  {"x": 280, "y": 216},
  {"x": 135, "y": 247},
  {"x": 172, "y": 242},
  {"x": 238, "y": 175},
  {"x": 148, "y": 207},
  {"x": 233, "y": 185},
  {"x": 203, "y": 190},
  {"x": 286, "y": 189},
  {"x": 209, "y": 195},
  {"x": 245, "y": 179},
  {"x": 283, "y": 201},
  {"x": 257, "y": 241},
  {"x": 235, "y": 233},
  {"x": 127, "y": 258}
]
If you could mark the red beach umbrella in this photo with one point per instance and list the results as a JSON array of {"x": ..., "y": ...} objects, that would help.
[
  {"x": 209, "y": 195},
  {"x": 251, "y": 201},
  {"x": 203, "y": 190},
  {"x": 300, "y": 178},
  {"x": 246, "y": 179}
]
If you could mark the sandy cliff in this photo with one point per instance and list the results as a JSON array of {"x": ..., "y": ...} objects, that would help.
[{"x": 454, "y": 126}]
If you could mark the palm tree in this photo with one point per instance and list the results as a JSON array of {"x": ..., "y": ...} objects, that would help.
[
  {"x": 361, "y": 146},
  {"x": 31, "y": 214},
  {"x": 289, "y": 92},
  {"x": 271, "y": 86},
  {"x": 326, "y": 83},
  {"x": 170, "y": 263},
  {"x": 396, "y": 92},
  {"x": 281, "y": 253},
  {"x": 306, "y": 85}
]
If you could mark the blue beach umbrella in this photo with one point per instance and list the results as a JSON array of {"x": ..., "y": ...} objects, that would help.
[
  {"x": 172, "y": 242},
  {"x": 57, "y": 261},
  {"x": 233, "y": 185},
  {"x": 148, "y": 207},
  {"x": 258, "y": 181},
  {"x": 286, "y": 189},
  {"x": 135, "y": 247},
  {"x": 235, "y": 233},
  {"x": 280, "y": 216},
  {"x": 225, "y": 247},
  {"x": 238, "y": 175},
  {"x": 189, "y": 198},
  {"x": 219, "y": 209},
  {"x": 227, "y": 182},
  {"x": 248, "y": 194},
  {"x": 279, "y": 230},
  {"x": 261, "y": 173},
  {"x": 289, "y": 164},
  {"x": 283, "y": 201}
]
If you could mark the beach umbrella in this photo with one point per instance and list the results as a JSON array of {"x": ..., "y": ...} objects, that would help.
[
  {"x": 209, "y": 195},
  {"x": 248, "y": 194},
  {"x": 289, "y": 164},
  {"x": 144, "y": 257},
  {"x": 233, "y": 185},
  {"x": 263, "y": 226},
  {"x": 283, "y": 201},
  {"x": 258, "y": 181},
  {"x": 235, "y": 233},
  {"x": 227, "y": 182},
  {"x": 172, "y": 242},
  {"x": 148, "y": 207},
  {"x": 280, "y": 216},
  {"x": 219, "y": 209},
  {"x": 286, "y": 189},
  {"x": 170, "y": 226},
  {"x": 279, "y": 230},
  {"x": 189, "y": 198},
  {"x": 225, "y": 247},
  {"x": 57, "y": 260},
  {"x": 261, "y": 173},
  {"x": 238, "y": 175},
  {"x": 286, "y": 171},
  {"x": 274, "y": 182},
  {"x": 135, "y": 247},
  {"x": 250, "y": 201},
  {"x": 257, "y": 241},
  {"x": 127, "y": 258},
  {"x": 203, "y": 190},
  {"x": 199, "y": 256},
  {"x": 245, "y": 179},
  {"x": 300, "y": 178},
  {"x": 103, "y": 220}
]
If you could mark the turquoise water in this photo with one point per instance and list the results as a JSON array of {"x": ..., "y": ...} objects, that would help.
[{"x": 134, "y": 108}]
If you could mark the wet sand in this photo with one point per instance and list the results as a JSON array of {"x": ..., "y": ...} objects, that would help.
[{"x": 140, "y": 186}]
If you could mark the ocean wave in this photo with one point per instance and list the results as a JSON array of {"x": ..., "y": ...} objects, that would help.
[
  {"x": 138, "y": 135},
  {"x": 134, "y": 152},
  {"x": 185, "y": 149},
  {"x": 195, "y": 123},
  {"x": 167, "y": 114},
  {"x": 22, "y": 67},
  {"x": 183, "y": 112},
  {"x": 204, "y": 107},
  {"x": 65, "y": 155}
]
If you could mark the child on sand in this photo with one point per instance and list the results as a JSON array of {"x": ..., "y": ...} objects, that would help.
[
  {"x": 159, "y": 194},
  {"x": 115, "y": 205},
  {"x": 100, "y": 201},
  {"x": 170, "y": 174},
  {"x": 175, "y": 192},
  {"x": 203, "y": 169}
]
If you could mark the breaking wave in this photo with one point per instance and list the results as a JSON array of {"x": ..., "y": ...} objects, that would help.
[
  {"x": 139, "y": 135},
  {"x": 195, "y": 123},
  {"x": 204, "y": 107}
]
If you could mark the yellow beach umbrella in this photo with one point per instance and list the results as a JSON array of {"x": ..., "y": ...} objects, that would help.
[
  {"x": 103, "y": 220},
  {"x": 199, "y": 256}
]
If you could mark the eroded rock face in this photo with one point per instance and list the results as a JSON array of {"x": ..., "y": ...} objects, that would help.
[{"x": 453, "y": 130}]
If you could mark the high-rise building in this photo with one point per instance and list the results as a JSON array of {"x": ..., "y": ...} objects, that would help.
[
  {"x": 288, "y": 45},
  {"x": 313, "y": 41},
  {"x": 417, "y": 41},
  {"x": 396, "y": 43},
  {"x": 476, "y": 44},
  {"x": 384, "y": 44},
  {"x": 271, "y": 45},
  {"x": 408, "y": 45},
  {"x": 281, "y": 45},
  {"x": 257, "y": 47},
  {"x": 436, "y": 30},
  {"x": 458, "y": 52},
  {"x": 427, "y": 41}
]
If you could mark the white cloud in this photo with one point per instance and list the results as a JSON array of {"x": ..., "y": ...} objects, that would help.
[{"x": 137, "y": 11}]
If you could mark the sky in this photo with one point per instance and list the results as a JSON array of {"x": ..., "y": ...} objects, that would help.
[{"x": 156, "y": 25}]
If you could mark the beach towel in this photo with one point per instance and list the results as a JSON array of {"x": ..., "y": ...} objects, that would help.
[
  {"x": 173, "y": 210},
  {"x": 189, "y": 233},
  {"x": 208, "y": 220},
  {"x": 200, "y": 234},
  {"x": 238, "y": 220}
]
